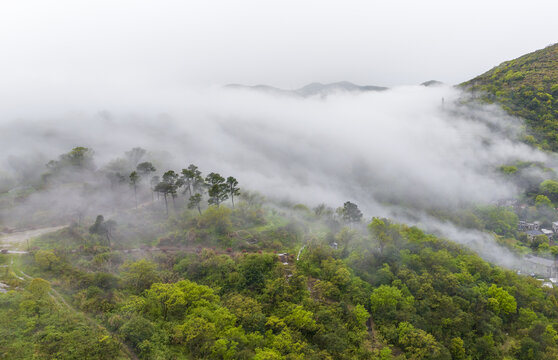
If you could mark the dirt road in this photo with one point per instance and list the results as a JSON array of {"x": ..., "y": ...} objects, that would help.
[{"x": 18, "y": 239}]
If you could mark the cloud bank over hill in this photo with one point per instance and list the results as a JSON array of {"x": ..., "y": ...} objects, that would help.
[
  {"x": 408, "y": 147},
  {"x": 409, "y": 143}
]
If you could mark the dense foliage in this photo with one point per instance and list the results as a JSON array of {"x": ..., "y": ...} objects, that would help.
[
  {"x": 385, "y": 291},
  {"x": 34, "y": 326}
]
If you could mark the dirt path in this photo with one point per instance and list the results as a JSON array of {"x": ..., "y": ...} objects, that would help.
[{"x": 17, "y": 239}]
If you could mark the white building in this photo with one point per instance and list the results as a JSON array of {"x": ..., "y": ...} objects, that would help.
[{"x": 548, "y": 233}]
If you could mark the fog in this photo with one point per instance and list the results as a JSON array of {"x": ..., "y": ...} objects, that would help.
[
  {"x": 411, "y": 147},
  {"x": 411, "y": 144}
]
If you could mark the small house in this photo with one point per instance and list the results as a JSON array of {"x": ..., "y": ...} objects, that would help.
[
  {"x": 538, "y": 265},
  {"x": 531, "y": 234},
  {"x": 524, "y": 225},
  {"x": 549, "y": 233}
]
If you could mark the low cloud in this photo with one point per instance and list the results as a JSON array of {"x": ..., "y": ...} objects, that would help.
[{"x": 408, "y": 146}]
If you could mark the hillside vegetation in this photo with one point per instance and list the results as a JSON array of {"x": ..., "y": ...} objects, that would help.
[
  {"x": 193, "y": 267},
  {"x": 526, "y": 87},
  {"x": 221, "y": 287}
]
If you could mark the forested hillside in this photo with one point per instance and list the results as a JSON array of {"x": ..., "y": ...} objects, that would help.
[
  {"x": 183, "y": 272},
  {"x": 257, "y": 283},
  {"x": 526, "y": 87}
]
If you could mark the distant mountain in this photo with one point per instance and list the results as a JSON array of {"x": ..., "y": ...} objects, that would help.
[
  {"x": 430, "y": 83},
  {"x": 326, "y": 89},
  {"x": 526, "y": 87},
  {"x": 262, "y": 88},
  {"x": 313, "y": 89}
]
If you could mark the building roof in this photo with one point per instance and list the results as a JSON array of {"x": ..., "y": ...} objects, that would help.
[
  {"x": 534, "y": 232},
  {"x": 539, "y": 260}
]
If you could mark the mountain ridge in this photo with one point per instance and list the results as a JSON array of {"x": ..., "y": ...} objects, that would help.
[{"x": 312, "y": 89}]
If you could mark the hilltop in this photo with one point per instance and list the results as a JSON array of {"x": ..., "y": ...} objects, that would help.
[{"x": 526, "y": 87}]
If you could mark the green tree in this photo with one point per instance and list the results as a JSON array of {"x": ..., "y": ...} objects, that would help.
[
  {"x": 419, "y": 344},
  {"x": 508, "y": 169},
  {"x": 137, "y": 330},
  {"x": 217, "y": 189},
  {"x": 194, "y": 202},
  {"x": 80, "y": 157},
  {"x": 168, "y": 187},
  {"x": 192, "y": 179},
  {"x": 550, "y": 189},
  {"x": 542, "y": 201},
  {"x": 134, "y": 180},
  {"x": 103, "y": 228},
  {"x": 36, "y": 298},
  {"x": 170, "y": 179},
  {"x": 139, "y": 275},
  {"x": 486, "y": 348},
  {"x": 145, "y": 168},
  {"x": 46, "y": 259},
  {"x": 498, "y": 219},
  {"x": 382, "y": 232},
  {"x": 232, "y": 188},
  {"x": 248, "y": 312},
  {"x": 301, "y": 319},
  {"x": 97, "y": 227},
  {"x": 254, "y": 268},
  {"x": 351, "y": 212},
  {"x": 456, "y": 349},
  {"x": 387, "y": 301},
  {"x": 216, "y": 219},
  {"x": 164, "y": 188},
  {"x": 38, "y": 288},
  {"x": 172, "y": 301},
  {"x": 361, "y": 315},
  {"x": 268, "y": 354},
  {"x": 336, "y": 272},
  {"x": 500, "y": 300}
]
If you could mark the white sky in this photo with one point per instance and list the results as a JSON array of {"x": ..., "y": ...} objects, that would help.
[{"x": 62, "y": 46}]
